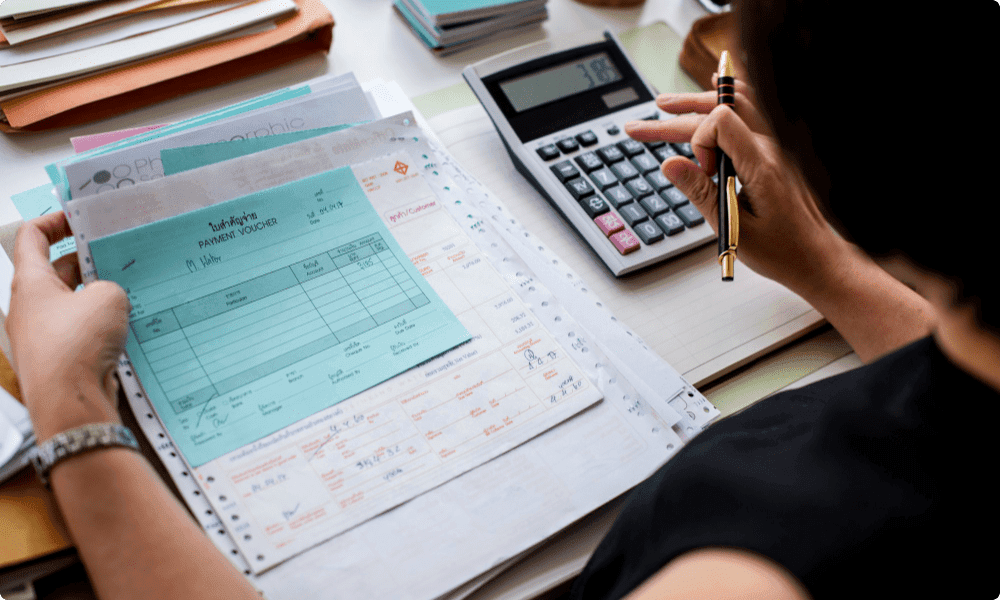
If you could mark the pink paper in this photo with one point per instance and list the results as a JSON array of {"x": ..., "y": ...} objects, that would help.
[{"x": 89, "y": 142}]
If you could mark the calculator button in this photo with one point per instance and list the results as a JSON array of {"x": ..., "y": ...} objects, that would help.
[
  {"x": 652, "y": 117},
  {"x": 633, "y": 213},
  {"x": 595, "y": 206},
  {"x": 609, "y": 223},
  {"x": 655, "y": 145},
  {"x": 587, "y": 138},
  {"x": 658, "y": 180},
  {"x": 638, "y": 187},
  {"x": 654, "y": 205},
  {"x": 645, "y": 163},
  {"x": 618, "y": 196},
  {"x": 603, "y": 178},
  {"x": 565, "y": 171},
  {"x": 610, "y": 154},
  {"x": 631, "y": 147},
  {"x": 625, "y": 242},
  {"x": 648, "y": 232},
  {"x": 613, "y": 130},
  {"x": 670, "y": 223},
  {"x": 685, "y": 149},
  {"x": 588, "y": 161},
  {"x": 568, "y": 145},
  {"x": 624, "y": 170},
  {"x": 690, "y": 215},
  {"x": 548, "y": 152},
  {"x": 580, "y": 188},
  {"x": 674, "y": 197},
  {"x": 664, "y": 152}
]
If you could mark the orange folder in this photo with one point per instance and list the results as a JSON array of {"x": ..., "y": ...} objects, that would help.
[
  {"x": 30, "y": 523},
  {"x": 154, "y": 80}
]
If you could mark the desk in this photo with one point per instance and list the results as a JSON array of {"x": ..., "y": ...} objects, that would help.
[{"x": 372, "y": 41}]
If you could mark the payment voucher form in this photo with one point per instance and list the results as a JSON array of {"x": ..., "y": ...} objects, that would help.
[
  {"x": 260, "y": 311},
  {"x": 348, "y": 461}
]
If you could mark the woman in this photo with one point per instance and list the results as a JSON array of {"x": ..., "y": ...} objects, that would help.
[
  {"x": 861, "y": 485},
  {"x": 856, "y": 485}
]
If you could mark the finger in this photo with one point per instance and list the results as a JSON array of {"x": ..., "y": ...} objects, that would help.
[
  {"x": 68, "y": 269},
  {"x": 700, "y": 102},
  {"x": 675, "y": 130},
  {"x": 705, "y": 102},
  {"x": 692, "y": 181},
  {"x": 31, "y": 248},
  {"x": 109, "y": 295},
  {"x": 724, "y": 129}
]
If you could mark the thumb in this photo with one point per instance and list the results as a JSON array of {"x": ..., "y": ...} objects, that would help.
[
  {"x": 693, "y": 183},
  {"x": 109, "y": 307}
]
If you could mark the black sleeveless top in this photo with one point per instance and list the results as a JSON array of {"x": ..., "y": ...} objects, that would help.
[{"x": 874, "y": 483}]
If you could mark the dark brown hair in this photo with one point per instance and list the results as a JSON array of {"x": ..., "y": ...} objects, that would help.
[{"x": 891, "y": 112}]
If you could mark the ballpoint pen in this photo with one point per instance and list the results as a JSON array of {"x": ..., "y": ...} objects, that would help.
[{"x": 729, "y": 218}]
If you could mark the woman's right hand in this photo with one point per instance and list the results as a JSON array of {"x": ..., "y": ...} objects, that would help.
[{"x": 782, "y": 233}]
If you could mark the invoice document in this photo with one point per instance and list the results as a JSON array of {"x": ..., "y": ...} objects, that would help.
[{"x": 284, "y": 460}]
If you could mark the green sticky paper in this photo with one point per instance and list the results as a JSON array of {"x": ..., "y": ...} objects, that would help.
[
  {"x": 255, "y": 313},
  {"x": 178, "y": 160},
  {"x": 38, "y": 202}
]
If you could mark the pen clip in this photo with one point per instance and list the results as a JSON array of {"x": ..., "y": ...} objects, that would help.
[
  {"x": 728, "y": 257},
  {"x": 734, "y": 213}
]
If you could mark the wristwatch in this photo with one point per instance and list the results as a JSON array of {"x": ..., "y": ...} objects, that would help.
[{"x": 77, "y": 441}]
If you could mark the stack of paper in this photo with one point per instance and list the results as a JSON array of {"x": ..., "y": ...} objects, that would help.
[
  {"x": 56, "y": 45},
  {"x": 447, "y": 26},
  {"x": 16, "y": 435},
  {"x": 340, "y": 360},
  {"x": 65, "y": 60}
]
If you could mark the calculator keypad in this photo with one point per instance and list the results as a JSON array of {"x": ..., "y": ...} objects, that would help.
[
  {"x": 595, "y": 206},
  {"x": 587, "y": 138},
  {"x": 609, "y": 223},
  {"x": 589, "y": 162},
  {"x": 568, "y": 145},
  {"x": 625, "y": 242},
  {"x": 603, "y": 178},
  {"x": 618, "y": 196},
  {"x": 610, "y": 154},
  {"x": 624, "y": 170},
  {"x": 636, "y": 203},
  {"x": 565, "y": 171},
  {"x": 648, "y": 232},
  {"x": 580, "y": 188}
]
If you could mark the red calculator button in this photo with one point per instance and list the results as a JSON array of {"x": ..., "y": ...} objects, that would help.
[
  {"x": 609, "y": 223},
  {"x": 625, "y": 241}
]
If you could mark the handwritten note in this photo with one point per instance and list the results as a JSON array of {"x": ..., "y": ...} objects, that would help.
[{"x": 257, "y": 312}]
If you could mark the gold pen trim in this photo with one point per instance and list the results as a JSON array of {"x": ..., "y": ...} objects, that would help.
[
  {"x": 734, "y": 213},
  {"x": 728, "y": 258}
]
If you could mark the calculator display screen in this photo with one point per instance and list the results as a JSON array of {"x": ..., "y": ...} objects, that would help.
[{"x": 555, "y": 83}]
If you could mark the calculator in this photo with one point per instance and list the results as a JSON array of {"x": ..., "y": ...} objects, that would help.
[{"x": 560, "y": 110}]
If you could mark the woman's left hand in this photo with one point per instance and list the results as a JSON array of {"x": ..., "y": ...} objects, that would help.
[{"x": 65, "y": 344}]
